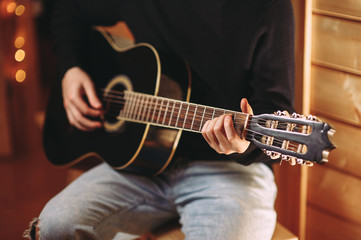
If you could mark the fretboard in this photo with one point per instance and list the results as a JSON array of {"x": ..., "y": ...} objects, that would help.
[{"x": 143, "y": 108}]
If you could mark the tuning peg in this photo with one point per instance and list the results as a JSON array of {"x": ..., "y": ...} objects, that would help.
[
  {"x": 306, "y": 163},
  {"x": 282, "y": 113},
  {"x": 325, "y": 154},
  {"x": 291, "y": 160},
  {"x": 331, "y": 132},
  {"x": 313, "y": 118},
  {"x": 272, "y": 154},
  {"x": 296, "y": 115}
]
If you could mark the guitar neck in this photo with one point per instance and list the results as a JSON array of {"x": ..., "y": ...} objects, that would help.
[{"x": 160, "y": 111}]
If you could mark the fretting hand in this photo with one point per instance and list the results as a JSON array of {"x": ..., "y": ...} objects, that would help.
[{"x": 221, "y": 135}]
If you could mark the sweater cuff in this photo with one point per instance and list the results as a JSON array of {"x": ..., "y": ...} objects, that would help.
[{"x": 251, "y": 155}]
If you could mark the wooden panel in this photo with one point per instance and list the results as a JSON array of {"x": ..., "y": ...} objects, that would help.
[
  {"x": 335, "y": 192},
  {"x": 321, "y": 225},
  {"x": 288, "y": 180},
  {"x": 336, "y": 94},
  {"x": 299, "y": 15},
  {"x": 337, "y": 42},
  {"x": 346, "y": 157},
  {"x": 345, "y": 7}
]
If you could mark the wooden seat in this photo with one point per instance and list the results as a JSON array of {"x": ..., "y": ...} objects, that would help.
[{"x": 172, "y": 232}]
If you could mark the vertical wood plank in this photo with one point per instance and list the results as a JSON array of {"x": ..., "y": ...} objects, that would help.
[{"x": 291, "y": 199}]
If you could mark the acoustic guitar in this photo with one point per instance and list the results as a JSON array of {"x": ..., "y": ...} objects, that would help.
[{"x": 147, "y": 107}]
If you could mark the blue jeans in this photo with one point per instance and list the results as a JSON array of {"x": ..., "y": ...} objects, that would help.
[{"x": 212, "y": 199}]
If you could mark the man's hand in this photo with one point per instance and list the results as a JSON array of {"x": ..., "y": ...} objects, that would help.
[
  {"x": 75, "y": 85},
  {"x": 221, "y": 135}
]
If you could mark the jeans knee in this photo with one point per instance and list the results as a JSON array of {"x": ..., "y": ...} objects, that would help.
[{"x": 58, "y": 225}]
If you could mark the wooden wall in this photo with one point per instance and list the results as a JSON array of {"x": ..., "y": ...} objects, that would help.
[{"x": 334, "y": 189}]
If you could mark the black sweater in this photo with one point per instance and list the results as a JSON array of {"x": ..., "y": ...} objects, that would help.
[{"x": 235, "y": 49}]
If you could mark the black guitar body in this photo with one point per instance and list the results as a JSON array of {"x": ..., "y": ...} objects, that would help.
[
  {"x": 134, "y": 147},
  {"x": 146, "y": 102}
]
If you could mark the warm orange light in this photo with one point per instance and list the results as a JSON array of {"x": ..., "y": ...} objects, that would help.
[
  {"x": 19, "y": 55},
  {"x": 10, "y": 8},
  {"x": 20, "y": 10},
  {"x": 19, "y": 42},
  {"x": 20, "y": 75}
]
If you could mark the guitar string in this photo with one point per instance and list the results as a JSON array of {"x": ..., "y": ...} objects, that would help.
[
  {"x": 156, "y": 105},
  {"x": 292, "y": 146},
  {"x": 197, "y": 125},
  {"x": 162, "y": 108},
  {"x": 196, "y": 120},
  {"x": 174, "y": 102}
]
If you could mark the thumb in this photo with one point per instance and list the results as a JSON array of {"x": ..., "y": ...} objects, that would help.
[{"x": 245, "y": 107}]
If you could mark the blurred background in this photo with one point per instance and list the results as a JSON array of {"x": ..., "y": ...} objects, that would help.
[
  {"x": 27, "y": 68},
  {"x": 321, "y": 202}
]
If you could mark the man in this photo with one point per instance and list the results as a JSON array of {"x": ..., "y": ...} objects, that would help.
[{"x": 235, "y": 50}]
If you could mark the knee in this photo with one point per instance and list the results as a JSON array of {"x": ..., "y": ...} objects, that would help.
[{"x": 64, "y": 223}]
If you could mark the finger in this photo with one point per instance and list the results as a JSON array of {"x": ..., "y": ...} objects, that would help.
[
  {"x": 245, "y": 107},
  {"x": 236, "y": 142},
  {"x": 220, "y": 134},
  {"x": 81, "y": 122},
  {"x": 84, "y": 108},
  {"x": 73, "y": 122},
  {"x": 204, "y": 131},
  {"x": 212, "y": 140},
  {"x": 91, "y": 95}
]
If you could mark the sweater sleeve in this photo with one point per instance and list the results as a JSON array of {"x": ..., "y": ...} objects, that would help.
[
  {"x": 272, "y": 68},
  {"x": 71, "y": 23},
  {"x": 272, "y": 78}
]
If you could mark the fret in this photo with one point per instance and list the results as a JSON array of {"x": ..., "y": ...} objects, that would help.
[
  {"x": 171, "y": 115},
  {"x": 201, "y": 124},
  {"x": 141, "y": 106},
  {"x": 218, "y": 112},
  {"x": 131, "y": 106},
  {"x": 136, "y": 106},
  {"x": 150, "y": 108},
  {"x": 126, "y": 105},
  {"x": 197, "y": 118},
  {"x": 194, "y": 115},
  {"x": 179, "y": 112},
  {"x": 185, "y": 116},
  {"x": 160, "y": 110},
  {"x": 240, "y": 123},
  {"x": 144, "y": 118},
  {"x": 166, "y": 110},
  {"x": 189, "y": 116},
  {"x": 154, "y": 109}
]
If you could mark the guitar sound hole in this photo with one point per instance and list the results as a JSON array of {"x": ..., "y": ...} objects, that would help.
[{"x": 113, "y": 103}]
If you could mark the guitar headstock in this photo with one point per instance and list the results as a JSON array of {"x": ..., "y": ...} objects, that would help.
[{"x": 295, "y": 138}]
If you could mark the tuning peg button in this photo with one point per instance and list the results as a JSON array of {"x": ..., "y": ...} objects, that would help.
[{"x": 325, "y": 154}]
